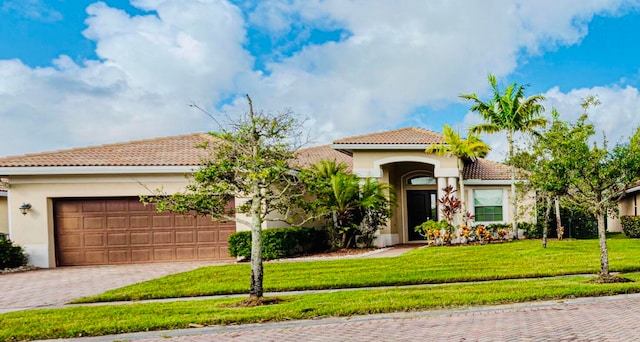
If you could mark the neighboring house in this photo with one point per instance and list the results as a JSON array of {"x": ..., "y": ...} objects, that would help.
[
  {"x": 85, "y": 208},
  {"x": 627, "y": 206}
]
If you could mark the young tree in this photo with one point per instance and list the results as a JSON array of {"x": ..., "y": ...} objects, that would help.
[
  {"x": 586, "y": 174},
  {"x": 465, "y": 150},
  {"x": 511, "y": 112},
  {"x": 248, "y": 160}
]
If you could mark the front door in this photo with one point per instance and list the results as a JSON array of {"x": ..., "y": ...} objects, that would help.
[{"x": 421, "y": 207}]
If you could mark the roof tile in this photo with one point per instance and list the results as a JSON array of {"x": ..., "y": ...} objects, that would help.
[
  {"x": 309, "y": 156},
  {"x": 168, "y": 151},
  {"x": 401, "y": 136},
  {"x": 486, "y": 170}
]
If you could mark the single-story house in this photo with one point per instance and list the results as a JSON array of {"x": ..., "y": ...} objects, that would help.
[{"x": 80, "y": 206}]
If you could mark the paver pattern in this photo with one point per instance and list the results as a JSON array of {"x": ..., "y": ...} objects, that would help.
[
  {"x": 588, "y": 319},
  {"x": 57, "y": 286}
]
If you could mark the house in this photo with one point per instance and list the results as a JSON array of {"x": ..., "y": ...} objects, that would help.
[
  {"x": 83, "y": 206},
  {"x": 627, "y": 206}
]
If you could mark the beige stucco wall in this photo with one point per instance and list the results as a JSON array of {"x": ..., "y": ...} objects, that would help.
[
  {"x": 627, "y": 206},
  {"x": 34, "y": 231},
  {"x": 369, "y": 162},
  {"x": 4, "y": 215}
]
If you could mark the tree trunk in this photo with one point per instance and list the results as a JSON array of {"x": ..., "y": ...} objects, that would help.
[
  {"x": 514, "y": 200},
  {"x": 604, "y": 254},
  {"x": 545, "y": 224},
  {"x": 257, "y": 272},
  {"x": 558, "y": 218}
]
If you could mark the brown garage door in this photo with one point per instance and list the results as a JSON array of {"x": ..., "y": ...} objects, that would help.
[{"x": 122, "y": 230}]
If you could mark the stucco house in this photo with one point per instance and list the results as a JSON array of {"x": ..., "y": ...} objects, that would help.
[
  {"x": 627, "y": 206},
  {"x": 84, "y": 207}
]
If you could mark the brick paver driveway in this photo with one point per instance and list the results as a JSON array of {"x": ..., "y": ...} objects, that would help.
[
  {"x": 56, "y": 286},
  {"x": 588, "y": 319}
]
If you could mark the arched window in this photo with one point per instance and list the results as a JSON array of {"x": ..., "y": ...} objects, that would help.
[{"x": 421, "y": 180}]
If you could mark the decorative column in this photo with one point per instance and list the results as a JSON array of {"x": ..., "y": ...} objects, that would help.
[{"x": 442, "y": 183}]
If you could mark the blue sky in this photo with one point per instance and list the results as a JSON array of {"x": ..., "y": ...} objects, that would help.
[{"x": 78, "y": 73}]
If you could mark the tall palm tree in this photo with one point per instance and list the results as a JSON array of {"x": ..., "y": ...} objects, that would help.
[
  {"x": 465, "y": 150},
  {"x": 509, "y": 111}
]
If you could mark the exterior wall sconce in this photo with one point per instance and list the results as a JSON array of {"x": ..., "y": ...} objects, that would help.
[{"x": 24, "y": 208}]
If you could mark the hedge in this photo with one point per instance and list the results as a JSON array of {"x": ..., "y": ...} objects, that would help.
[
  {"x": 280, "y": 243},
  {"x": 631, "y": 226}
]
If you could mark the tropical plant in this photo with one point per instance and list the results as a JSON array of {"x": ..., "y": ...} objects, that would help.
[
  {"x": 509, "y": 111},
  {"x": 465, "y": 150},
  {"x": 354, "y": 206}
]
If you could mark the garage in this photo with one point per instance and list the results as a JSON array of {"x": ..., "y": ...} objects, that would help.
[{"x": 106, "y": 231}]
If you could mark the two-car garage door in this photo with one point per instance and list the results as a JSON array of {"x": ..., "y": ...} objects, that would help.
[{"x": 121, "y": 230}]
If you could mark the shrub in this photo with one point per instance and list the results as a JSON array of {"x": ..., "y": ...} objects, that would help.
[
  {"x": 631, "y": 226},
  {"x": 279, "y": 242},
  {"x": 531, "y": 230},
  {"x": 11, "y": 256}
]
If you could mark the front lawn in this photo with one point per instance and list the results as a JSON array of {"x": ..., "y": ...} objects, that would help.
[
  {"x": 114, "y": 319},
  {"x": 521, "y": 259}
]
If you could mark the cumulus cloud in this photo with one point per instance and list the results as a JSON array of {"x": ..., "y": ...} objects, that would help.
[{"x": 395, "y": 57}]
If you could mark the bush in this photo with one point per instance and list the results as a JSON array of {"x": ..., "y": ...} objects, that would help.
[
  {"x": 279, "y": 242},
  {"x": 631, "y": 226},
  {"x": 11, "y": 256},
  {"x": 531, "y": 230}
]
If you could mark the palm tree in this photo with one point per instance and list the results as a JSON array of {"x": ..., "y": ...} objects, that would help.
[
  {"x": 465, "y": 150},
  {"x": 511, "y": 112}
]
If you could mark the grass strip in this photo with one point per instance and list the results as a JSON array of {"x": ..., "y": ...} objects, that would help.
[
  {"x": 433, "y": 265},
  {"x": 115, "y": 319}
]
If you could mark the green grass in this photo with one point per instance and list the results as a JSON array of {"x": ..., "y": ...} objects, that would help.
[
  {"x": 433, "y": 265},
  {"x": 113, "y": 319}
]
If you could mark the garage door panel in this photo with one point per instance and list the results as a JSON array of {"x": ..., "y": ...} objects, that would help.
[
  {"x": 117, "y": 239},
  {"x": 89, "y": 223},
  {"x": 93, "y": 240},
  {"x": 93, "y": 207},
  {"x": 122, "y": 230},
  {"x": 183, "y": 237},
  {"x": 140, "y": 222},
  {"x": 164, "y": 221},
  {"x": 140, "y": 238},
  {"x": 70, "y": 240},
  {"x": 141, "y": 255},
  {"x": 117, "y": 222}
]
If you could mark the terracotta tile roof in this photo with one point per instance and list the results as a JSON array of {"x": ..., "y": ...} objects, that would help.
[
  {"x": 488, "y": 170},
  {"x": 169, "y": 151},
  {"x": 309, "y": 156},
  {"x": 402, "y": 136}
]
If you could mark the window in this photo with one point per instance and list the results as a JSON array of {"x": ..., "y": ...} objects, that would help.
[
  {"x": 488, "y": 205},
  {"x": 421, "y": 180}
]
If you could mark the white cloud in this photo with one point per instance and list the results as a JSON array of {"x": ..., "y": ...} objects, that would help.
[
  {"x": 398, "y": 56},
  {"x": 32, "y": 9}
]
